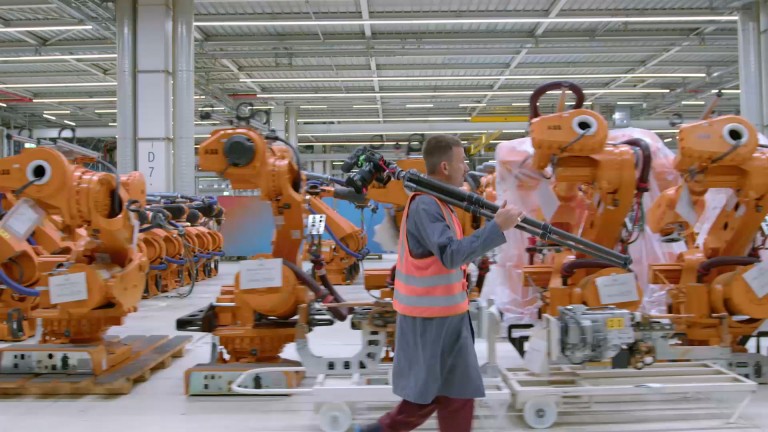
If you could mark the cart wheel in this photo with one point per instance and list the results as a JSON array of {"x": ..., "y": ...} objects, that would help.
[
  {"x": 540, "y": 413},
  {"x": 335, "y": 417}
]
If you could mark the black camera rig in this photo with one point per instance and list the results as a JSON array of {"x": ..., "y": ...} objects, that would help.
[{"x": 372, "y": 166}]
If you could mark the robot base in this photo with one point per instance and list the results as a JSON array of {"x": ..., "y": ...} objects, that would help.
[
  {"x": 86, "y": 369},
  {"x": 217, "y": 378}
]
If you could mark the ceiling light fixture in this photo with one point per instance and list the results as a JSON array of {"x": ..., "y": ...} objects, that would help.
[
  {"x": 49, "y": 117},
  {"x": 726, "y": 91},
  {"x": 473, "y": 105},
  {"x": 694, "y": 103},
  {"x": 473, "y": 78},
  {"x": 421, "y": 21},
  {"x": 57, "y": 57},
  {"x": 100, "y": 84},
  {"x": 70, "y": 123},
  {"x": 113, "y": 124},
  {"x": 466, "y": 93},
  {"x": 45, "y": 28},
  {"x": 96, "y": 99},
  {"x": 56, "y": 112},
  {"x": 105, "y": 111}
]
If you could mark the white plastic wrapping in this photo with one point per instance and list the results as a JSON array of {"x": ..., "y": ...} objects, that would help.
[
  {"x": 519, "y": 187},
  {"x": 532, "y": 193},
  {"x": 649, "y": 249}
]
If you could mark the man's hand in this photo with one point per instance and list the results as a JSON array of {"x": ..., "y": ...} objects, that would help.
[{"x": 508, "y": 217}]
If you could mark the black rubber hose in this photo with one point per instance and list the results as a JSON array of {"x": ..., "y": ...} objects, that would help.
[
  {"x": 570, "y": 267},
  {"x": 483, "y": 268},
  {"x": 707, "y": 266},
  {"x": 324, "y": 296},
  {"x": 645, "y": 170},
  {"x": 329, "y": 287},
  {"x": 194, "y": 217},
  {"x": 554, "y": 85},
  {"x": 176, "y": 211}
]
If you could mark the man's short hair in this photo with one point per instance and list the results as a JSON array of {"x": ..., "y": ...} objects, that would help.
[{"x": 438, "y": 149}]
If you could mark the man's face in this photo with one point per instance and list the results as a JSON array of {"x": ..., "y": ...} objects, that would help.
[{"x": 457, "y": 168}]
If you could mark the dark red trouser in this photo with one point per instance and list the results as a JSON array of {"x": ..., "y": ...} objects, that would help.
[{"x": 453, "y": 415}]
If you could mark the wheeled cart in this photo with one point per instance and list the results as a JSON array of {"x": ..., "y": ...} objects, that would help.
[
  {"x": 338, "y": 399},
  {"x": 684, "y": 391}
]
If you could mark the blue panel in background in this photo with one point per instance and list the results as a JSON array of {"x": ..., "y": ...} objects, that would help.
[
  {"x": 246, "y": 218},
  {"x": 348, "y": 211},
  {"x": 243, "y": 228}
]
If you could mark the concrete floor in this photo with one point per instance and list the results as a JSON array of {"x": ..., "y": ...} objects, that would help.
[{"x": 160, "y": 404}]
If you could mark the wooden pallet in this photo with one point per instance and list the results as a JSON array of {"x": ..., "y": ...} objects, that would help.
[{"x": 149, "y": 353}]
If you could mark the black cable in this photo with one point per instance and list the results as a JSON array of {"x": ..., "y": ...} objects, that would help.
[
  {"x": 693, "y": 173},
  {"x": 116, "y": 208},
  {"x": 20, "y": 190},
  {"x": 274, "y": 137}
]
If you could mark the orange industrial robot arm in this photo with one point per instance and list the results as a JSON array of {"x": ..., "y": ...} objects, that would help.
[
  {"x": 587, "y": 167},
  {"x": 718, "y": 153},
  {"x": 113, "y": 268},
  {"x": 261, "y": 317},
  {"x": 244, "y": 157},
  {"x": 342, "y": 254}
]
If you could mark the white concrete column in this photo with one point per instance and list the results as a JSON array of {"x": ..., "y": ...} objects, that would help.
[
  {"x": 750, "y": 66},
  {"x": 183, "y": 97},
  {"x": 293, "y": 125},
  {"x": 153, "y": 94},
  {"x": 125, "y": 12},
  {"x": 278, "y": 120}
]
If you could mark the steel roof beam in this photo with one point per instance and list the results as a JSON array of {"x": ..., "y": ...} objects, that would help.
[
  {"x": 405, "y": 15},
  {"x": 467, "y": 37}
]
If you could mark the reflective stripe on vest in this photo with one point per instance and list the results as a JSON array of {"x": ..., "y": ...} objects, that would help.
[{"x": 423, "y": 286}]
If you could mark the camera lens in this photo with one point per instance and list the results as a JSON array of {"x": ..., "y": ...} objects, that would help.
[
  {"x": 353, "y": 182},
  {"x": 348, "y": 165}
]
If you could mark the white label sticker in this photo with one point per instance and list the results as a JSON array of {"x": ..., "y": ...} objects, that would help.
[
  {"x": 22, "y": 219},
  {"x": 716, "y": 200},
  {"x": 68, "y": 288},
  {"x": 757, "y": 279},
  {"x": 685, "y": 208},
  {"x": 135, "y": 223},
  {"x": 316, "y": 224},
  {"x": 536, "y": 355},
  {"x": 547, "y": 200},
  {"x": 618, "y": 288},
  {"x": 261, "y": 273}
]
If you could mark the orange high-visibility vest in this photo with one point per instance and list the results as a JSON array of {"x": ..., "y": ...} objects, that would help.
[{"x": 423, "y": 286}]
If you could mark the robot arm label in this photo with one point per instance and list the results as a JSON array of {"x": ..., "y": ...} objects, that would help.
[
  {"x": 618, "y": 288},
  {"x": 22, "y": 219},
  {"x": 261, "y": 273},
  {"x": 68, "y": 287},
  {"x": 757, "y": 279}
]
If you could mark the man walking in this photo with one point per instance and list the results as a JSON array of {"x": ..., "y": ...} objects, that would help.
[{"x": 435, "y": 366}]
